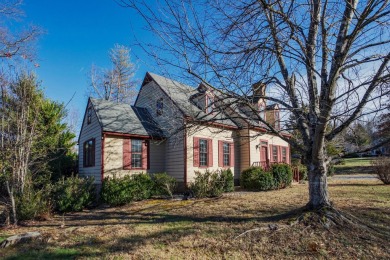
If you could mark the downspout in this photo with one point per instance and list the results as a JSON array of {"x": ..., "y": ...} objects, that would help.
[{"x": 102, "y": 158}]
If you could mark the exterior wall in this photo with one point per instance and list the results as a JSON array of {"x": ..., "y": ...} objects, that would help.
[
  {"x": 255, "y": 138},
  {"x": 113, "y": 157},
  {"x": 88, "y": 131},
  {"x": 170, "y": 121},
  {"x": 244, "y": 151},
  {"x": 211, "y": 133}
]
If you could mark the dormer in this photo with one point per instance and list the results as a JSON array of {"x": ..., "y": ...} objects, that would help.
[
  {"x": 273, "y": 116},
  {"x": 258, "y": 90},
  {"x": 262, "y": 109},
  {"x": 205, "y": 99}
]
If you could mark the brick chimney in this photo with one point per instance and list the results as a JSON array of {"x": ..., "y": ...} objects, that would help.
[{"x": 258, "y": 89}]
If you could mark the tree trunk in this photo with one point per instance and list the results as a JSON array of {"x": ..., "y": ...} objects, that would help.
[
  {"x": 13, "y": 204},
  {"x": 318, "y": 186}
]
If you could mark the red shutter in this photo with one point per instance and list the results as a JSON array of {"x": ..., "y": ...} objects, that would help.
[
  {"x": 232, "y": 155},
  {"x": 210, "y": 152},
  {"x": 288, "y": 154},
  {"x": 279, "y": 154},
  {"x": 126, "y": 154},
  {"x": 196, "y": 152},
  {"x": 145, "y": 154},
  {"x": 220, "y": 153}
]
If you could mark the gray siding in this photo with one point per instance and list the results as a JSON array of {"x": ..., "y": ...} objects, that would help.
[
  {"x": 88, "y": 131},
  {"x": 171, "y": 123}
]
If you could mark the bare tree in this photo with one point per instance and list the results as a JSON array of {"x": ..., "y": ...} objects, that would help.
[
  {"x": 15, "y": 44},
  {"x": 115, "y": 84},
  {"x": 325, "y": 62}
]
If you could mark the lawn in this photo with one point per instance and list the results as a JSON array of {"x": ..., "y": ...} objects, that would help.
[
  {"x": 355, "y": 166},
  {"x": 211, "y": 228}
]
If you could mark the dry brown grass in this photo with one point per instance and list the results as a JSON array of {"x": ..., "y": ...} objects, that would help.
[{"x": 206, "y": 229}]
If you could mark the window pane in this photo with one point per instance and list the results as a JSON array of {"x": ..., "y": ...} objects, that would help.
[
  {"x": 226, "y": 154},
  {"x": 136, "y": 160},
  {"x": 136, "y": 146},
  {"x": 203, "y": 152},
  {"x": 275, "y": 153}
]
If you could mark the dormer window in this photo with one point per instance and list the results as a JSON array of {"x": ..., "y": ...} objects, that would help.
[
  {"x": 262, "y": 108},
  {"x": 209, "y": 103},
  {"x": 89, "y": 115},
  {"x": 277, "y": 119},
  {"x": 160, "y": 106}
]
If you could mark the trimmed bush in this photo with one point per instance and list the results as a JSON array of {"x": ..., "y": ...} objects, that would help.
[
  {"x": 120, "y": 191},
  {"x": 249, "y": 176},
  {"x": 163, "y": 184},
  {"x": 207, "y": 184},
  {"x": 228, "y": 180},
  {"x": 282, "y": 175},
  {"x": 382, "y": 169},
  {"x": 264, "y": 181},
  {"x": 73, "y": 194},
  {"x": 142, "y": 186},
  {"x": 254, "y": 178},
  {"x": 116, "y": 191}
]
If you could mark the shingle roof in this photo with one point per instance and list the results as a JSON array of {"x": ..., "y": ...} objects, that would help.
[
  {"x": 123, "y": 118},
  {"x": 181, "y": 94}
]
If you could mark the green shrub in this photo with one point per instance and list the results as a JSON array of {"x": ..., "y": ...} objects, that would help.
[
  {"x": 73, "y": 194},
  {"x": 264, "y": 181},
  {"x": 254, "y": 178},
  {"x": 32, "y": 204},
  {"x": 116, "y": 191},
  {"x": 249, "y": 176},
  {"x": 228, "y": 180},
  {"x": 207, "y": 184},
  {"x": 120, "y": 191},
  {"x": 141, "y": 186},
  {"x": 163, "y": 184},
  {"x": 282, "y": 174},
  {"x": 303, "y": 173}
]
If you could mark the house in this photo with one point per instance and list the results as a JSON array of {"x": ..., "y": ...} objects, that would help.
[{"x": 177, "y": 129}]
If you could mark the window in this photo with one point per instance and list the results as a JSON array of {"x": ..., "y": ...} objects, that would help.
[
  {"x": 274, "y": 153},
  {"x": 262, "y": 110},
  {"x": 203, "y": 152},
  {"x": 89, "y": 153},
  {"x": 226, "y": 154},
  {"x": 136, "y": 153},
  {"x": 284, "y": 154},
  {"x": 89, "y": 115},
  {"x": 160, "y": 106},
  {"x": 209, "y": 104},
  {"x": 277, "y": 120}
]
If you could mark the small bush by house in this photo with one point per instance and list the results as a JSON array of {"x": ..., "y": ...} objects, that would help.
[
  {"x": 282, "y": 174},
  {"x": 264, "y": 181},
  {"x": 212, "y": 183},
  {"x": 228, "y": 180},
  {"x": 255, "y": 178},
  {"x": 73, "y": 194},
  {"x": 120, "y": 191},
  {"x": 382, "y": 169},
  {"x": 163, "y": 184}
]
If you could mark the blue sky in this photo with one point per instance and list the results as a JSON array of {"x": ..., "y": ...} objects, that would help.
[{"x": 79, "y": 34}]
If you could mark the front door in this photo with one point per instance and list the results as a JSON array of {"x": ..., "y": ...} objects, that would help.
[{"x": 264, "y": 157}]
